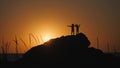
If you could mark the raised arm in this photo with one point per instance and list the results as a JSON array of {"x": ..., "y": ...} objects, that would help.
[{"x": 68, "y": 26}]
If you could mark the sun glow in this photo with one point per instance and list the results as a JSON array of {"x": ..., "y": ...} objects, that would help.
[{"x": 46, "y": 38}]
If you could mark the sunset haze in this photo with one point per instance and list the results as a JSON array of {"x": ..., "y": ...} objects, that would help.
[{"x": 97, "y": 18}]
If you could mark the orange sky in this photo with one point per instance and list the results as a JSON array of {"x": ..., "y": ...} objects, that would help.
[{"x": 51, "y": 17}]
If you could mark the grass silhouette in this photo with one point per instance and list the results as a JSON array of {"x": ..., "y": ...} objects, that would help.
[{"x": 6, "y": 45}]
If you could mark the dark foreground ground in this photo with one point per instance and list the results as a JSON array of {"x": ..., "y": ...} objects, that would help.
[{"x": 68, "y": 51}]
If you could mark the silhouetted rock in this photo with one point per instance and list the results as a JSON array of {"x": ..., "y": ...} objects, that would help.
[{"x": 67, "y": 50}]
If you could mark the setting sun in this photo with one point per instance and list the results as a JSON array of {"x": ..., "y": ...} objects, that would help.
[{"x": 46, "y": 38}]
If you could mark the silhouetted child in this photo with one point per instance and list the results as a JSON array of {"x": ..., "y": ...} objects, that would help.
[
  {"x": 72, "y": 29},
  {"x": 77, "y": 28}
]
